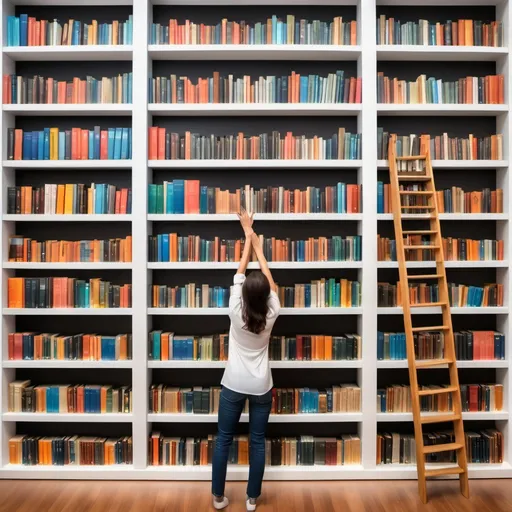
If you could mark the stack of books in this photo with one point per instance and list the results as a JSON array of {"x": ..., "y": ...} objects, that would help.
[{"x": 166, "y": 346}]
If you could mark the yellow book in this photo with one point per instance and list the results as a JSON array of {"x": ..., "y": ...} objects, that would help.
[
  {"x": 54, "y": 143},
  {"x": 61, "y": 190},
  {"x": 115, "y": 32},
  {"x": 68, "y": 201},
  {"x": 94, "y": 38},
  {"x": 89, "y": 200},
  {"x": 95, "y": 293}
]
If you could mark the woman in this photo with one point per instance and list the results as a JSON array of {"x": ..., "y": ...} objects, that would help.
[{"x": 253, "y": 310}]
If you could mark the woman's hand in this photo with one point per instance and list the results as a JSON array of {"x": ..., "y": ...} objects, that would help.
[{"x": 246, "y": 221}]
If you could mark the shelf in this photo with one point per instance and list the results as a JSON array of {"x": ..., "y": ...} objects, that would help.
[
  {"x": 68, "y": 266},
  {"x": 256, "y": 109},
  {"x": 205, "y": 52},
  {"x": 291, "y": 365},
  {"x": 407, "y": 416},
  {"x": 394, "y": 364},
  {"x": 454, "y": 311},
  {"x": 67, "y": 218},
  {"x": 69, "y": 53},
  {"x": 274, "y": 418},
  {"x": 68, "y": 311},
  {"x": 439, "y": 53},
  {"x": 257, "y": 216},
  {"x": 464, "y": 3},
  {"x": 255, "y": 164},
  {"x": 55, "y": 165},
  {"x": 254, "y": 265},
  {"x": 447, "y": 264},
  {"x": 67, "y": 417},
  {"x": 257, "y": 3},
  {"x": 393, "y": 109},
  {"x": 96, "y": 365},
  {"x": 459, "y": 164},
  {"x": 447, "y": 216},
  {"x": 225, "y": 311},
  {"x": 70, "y": 110},
  {"x": 87, "y": 3}
]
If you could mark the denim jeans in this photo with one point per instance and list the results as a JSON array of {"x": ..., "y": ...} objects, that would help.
[{"x": 230, "y": 408}]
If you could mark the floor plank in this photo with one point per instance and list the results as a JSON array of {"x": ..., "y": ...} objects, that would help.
[{"x": 364, "y": 496}]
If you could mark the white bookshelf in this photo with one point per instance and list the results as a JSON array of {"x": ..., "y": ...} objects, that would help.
[{"x": 365, "y": 55}]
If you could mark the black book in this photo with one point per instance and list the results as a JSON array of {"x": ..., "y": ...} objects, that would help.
[{"x": 10, "y": 143}]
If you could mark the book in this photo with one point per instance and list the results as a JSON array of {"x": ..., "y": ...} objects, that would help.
[{"x": 69, "y": 451}]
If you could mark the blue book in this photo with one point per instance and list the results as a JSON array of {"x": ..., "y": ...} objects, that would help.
[
  {"x": 23, "y": 30},
  {"x": 303, "y": 89},
  {"x": 118, "y": 143},
  {"x": 157, "y": 343},
  {"x": 307, "y": 295},
  {"x": 91, "y": 145},
  {"x": 110, "y": 146},
  {"x": 179, "y": 196},
  {"x": 124, "y": 144},
  {"x": 75, "y": 39},
  {"x": 274, "y": 29},
  {"x": 34, "y": 150},
  {"x": 40, "y": 145},
  {"x": 62, "y": 145},
  {"x": 203, "y": 199},
  {"x": 165, "y": 247},
  {"x": 380, "y": 197},
  {"x": 87, "y": 294},
  {"x": 27, "y": 146},
  {"x": 169, "y": 206},
  {"x": 392, "y": 343},
  {"x": 16, "y": 22},
  {"x": 189, "y": 348},
  {"x": 98, "y": 202},
  {"x": 97, "y": 142},
  {"x": 380, "y": 345}
]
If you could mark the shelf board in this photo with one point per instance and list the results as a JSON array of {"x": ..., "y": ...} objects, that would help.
[
  {"x": 393, "y": 109},
  {"x": 448, "y": 264},
  {"x": 67, "y": 417},
  {"x": 70, "y": 109},
  {"x": 439, "y": 53},
  {"x": 206, "y": 52},
  {"x": 68, "y": 311},
  {"x": 255, "y": 164},
  {"x": 448, "y": 216},
  {"x": 74, "y": 2},
  {"x": 407, "y": 416},
  {"x": 225, "y": 311},
  {"x": 68, "y": 266},
  {"x": 254, "y": 265},
  {"x": 274, "y": 418},
  {"x": 55, "y": 165},
  {"x": 256, "y": 109},
  {"x": 96, "y": 365},
  {"x": 67, "y": 218},
  {"x": 291, "y": 365},
  {"x": 458, "y": 164},
  {"x": 257, "y": 216},
  {"x": 69, "y": 53},
  {"x": 394, "y": 364},
  {"x": 463, "y": 3},
  {"x": 257, "y": 3},
  {"x": 454, "y": 311}
]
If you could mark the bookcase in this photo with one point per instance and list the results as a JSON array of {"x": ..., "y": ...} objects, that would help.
[{"x": 145, "y": 60}]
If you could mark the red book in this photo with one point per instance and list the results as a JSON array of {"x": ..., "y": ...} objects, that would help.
[
  {"x": 153, "y": 143},
  {"x": 161, "y": 144},
  {"x": 10, "y": 346},
  {"x": 75, "y": 144},
  {"x": 104, "y": 145},
  {"x": 124, "y": 200},
  {"x": 298, "y": 348},
  {"x": 18, "y": 346},
  {"x": 477, "y": 345},
  {"x": 191, "y": 196},
  {"x": 6, "y": 89},
  {"x": 473, "y": 398},
  {"x": 117, "y": 207},
  {"x": 18, "y": 144},
  {"x": 359, "y": 90}
]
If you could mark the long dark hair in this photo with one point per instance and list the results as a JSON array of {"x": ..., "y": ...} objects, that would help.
[{"x": 255, "y": 292}]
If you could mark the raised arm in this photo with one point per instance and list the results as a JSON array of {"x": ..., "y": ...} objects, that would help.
[
  {"x": 262, "y": 261},
  {"x": 246, "y": 221}
]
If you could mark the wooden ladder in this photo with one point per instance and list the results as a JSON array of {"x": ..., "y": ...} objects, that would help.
[{"x": 418, "y": 170}]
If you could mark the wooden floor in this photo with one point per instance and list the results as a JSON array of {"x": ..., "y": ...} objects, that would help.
[{"x": 381, "y": 496}]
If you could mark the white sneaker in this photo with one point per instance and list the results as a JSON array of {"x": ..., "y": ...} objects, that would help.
[
  {"x": 251, "y": 504},
  {"x": 219, "y": 505}
]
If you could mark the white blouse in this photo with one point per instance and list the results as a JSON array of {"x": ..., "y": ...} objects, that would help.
[{"x": 248, "y": 369}]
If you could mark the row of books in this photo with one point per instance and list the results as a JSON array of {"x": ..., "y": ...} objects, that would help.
[
  {"x": 69, "y": 399},
  {"x": 454, "y": 249},
  {"x": 488, "y": 90},
  {"x": 450, "y": 33},
  {"x": 469, "y": 345},
  {"x": 281, "y": 451},
  {"x": 70, "y": 450},
  {"x": 193, "y": 248},
  {"x": 205, "y": 400},
  {"x": 74, "y": 144},
  {"x": 67, "y": 292},
  {"x": 38, "y": 90},
  {"x": 167, "y": 346},
  {"x": 272, "y": 31},
  {"x": 189, "y": 296},
  {"x": 474, "y": 398},
  {"x": 190, "y": 197},
  {"x": 24, "y": 30},
  {"x": 482, "y": 447},
  {"x": 24, "y": 249},
  {"x": 165, "y": 145},
  {"x": 30, "y": 346},
  {"x": 333, "y": 88},
  {"x": 442, "y": 147},
  {"x": 460, "y": 295},
  {"x": 69, "y": 199}
]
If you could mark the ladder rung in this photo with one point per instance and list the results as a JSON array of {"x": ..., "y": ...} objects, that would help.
[
  {"x": 425, "y": 276},
  {"x": 419, "y": 247},
  {"x": 436, "y": 448},
  {"x": 439, "y": 418},
  {"x": 428, "y": 305},
  {"x": 432, "y": 363},
  {"x": 426, "y": 329},
  {"x": 417, "y": 216},
  {"x": 421, "y": 177},
  {"x": 437, "y": 391},
  {"x": 455, "y": 470},
  {"x": 416, "y": 193},
  {"x": 426, "y": 207},
  {"x": 420, "y": 232},
  {"x": 411, "y": 158}
]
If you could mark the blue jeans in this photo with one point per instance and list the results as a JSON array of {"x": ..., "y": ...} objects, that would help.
[{"x": 230, "y": 408}]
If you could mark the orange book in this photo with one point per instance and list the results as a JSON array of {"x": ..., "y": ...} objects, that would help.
[
  {"x": 104, "y": 145},
  {"x": 75, "y": 144},
  {"x": 161, "y": 143},
  {"x": 191, "y": 196},
  {"x": 7, "y": 89},
  {"x": 18, "y": 144},
  {"x": 84, "y": 145},
  {"x": 153, "y": 143},
  {"x": 16, "y": 292}
]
